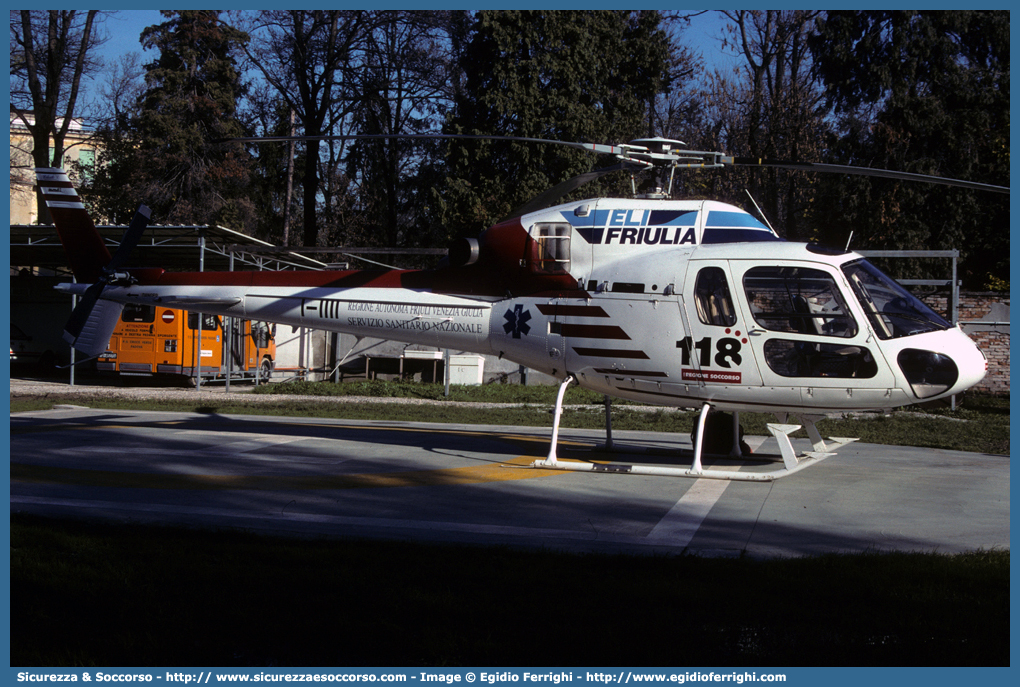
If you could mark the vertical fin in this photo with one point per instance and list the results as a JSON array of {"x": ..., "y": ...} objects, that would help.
[{"x": 86, "y": 252}]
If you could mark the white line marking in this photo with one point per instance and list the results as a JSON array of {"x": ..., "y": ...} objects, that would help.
[
  {"x": 277, "y": 517},
  {"x": 683, "y": 520}
]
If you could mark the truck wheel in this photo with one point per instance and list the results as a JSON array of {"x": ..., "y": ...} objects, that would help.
[{"x": 265, "y": 371}]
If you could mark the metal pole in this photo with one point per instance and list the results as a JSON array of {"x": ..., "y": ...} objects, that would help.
[
  {"x": 334, "y": 344},
  {"x": 446, "y": 370},
  {"x": 230, "y": 339},
  {"x": 74, "y": 304},
  {"x": 198, "y": 350},
  {"x": 955, "y": 315},
  {"x": 609, "y": 421}
]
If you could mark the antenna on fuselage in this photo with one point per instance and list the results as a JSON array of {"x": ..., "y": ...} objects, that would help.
[{"x": 760, "y": 212}]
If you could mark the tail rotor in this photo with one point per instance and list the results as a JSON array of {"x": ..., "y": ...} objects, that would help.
[
  {"x": 89, "y": 327},
  {"x": 93, "y": 320}
]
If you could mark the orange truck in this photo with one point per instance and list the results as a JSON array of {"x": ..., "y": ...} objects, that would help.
[{"x": 163, "y": 341}]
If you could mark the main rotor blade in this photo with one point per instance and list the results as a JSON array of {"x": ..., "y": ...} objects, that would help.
[
  {"x": 590, "y": 147},
  {"x": 547, "y": 198},
  {"x": 653, "y": 151},
  {"x": 861, "y": 171}
]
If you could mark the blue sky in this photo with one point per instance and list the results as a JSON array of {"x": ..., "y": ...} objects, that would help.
[{"x": 125, "y": 26}]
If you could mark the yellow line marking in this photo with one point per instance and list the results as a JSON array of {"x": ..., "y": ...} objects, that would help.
[
  {"x": 506, "y": 436},
  {"x": 472, "y": 474},
  {"x": 513, "y": 469}
]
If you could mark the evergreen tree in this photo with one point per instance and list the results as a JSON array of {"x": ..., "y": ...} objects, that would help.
[
  {"x": 190, "y": 101},
  {"x": 585, "y": 76},
  {"x": 276, "y": 169},
  {"x": 164, "y": 150},
  {"x": 925, "y": 92}
]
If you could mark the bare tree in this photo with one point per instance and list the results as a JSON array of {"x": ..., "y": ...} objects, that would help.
[
  {"x": 403, "y": 86},
  {"x": 772, "y": 108},
  {"x": 124, "y": 85},
  {"x": 51, "y": 50},
  {"x": 307, "y": 57}
]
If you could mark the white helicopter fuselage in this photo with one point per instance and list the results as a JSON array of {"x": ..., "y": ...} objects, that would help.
[{"x": 676, "y": 303}]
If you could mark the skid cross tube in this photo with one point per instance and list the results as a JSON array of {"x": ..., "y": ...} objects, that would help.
[{"x": 781, "y": 431}]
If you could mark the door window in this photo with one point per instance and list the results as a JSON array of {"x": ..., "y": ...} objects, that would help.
[
  {"x": 712, "y": 298},
  {"x": 552, "y": 241},
  {"x": 799, "y": 300}
]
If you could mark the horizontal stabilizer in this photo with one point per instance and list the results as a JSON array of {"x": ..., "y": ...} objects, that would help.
[
  {"x": 185, "y": 301},
  {"x": 95, "y": 334}
]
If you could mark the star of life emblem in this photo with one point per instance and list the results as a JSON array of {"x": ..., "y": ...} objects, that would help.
[{"x": 517, "y": 321}]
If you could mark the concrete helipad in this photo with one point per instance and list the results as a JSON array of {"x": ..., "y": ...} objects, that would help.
[{"x": 470, "y": 483}]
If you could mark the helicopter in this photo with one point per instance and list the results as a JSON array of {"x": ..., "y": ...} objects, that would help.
[{"x": 682, "y": 303}]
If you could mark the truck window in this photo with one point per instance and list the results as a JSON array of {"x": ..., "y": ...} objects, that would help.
[
  {"x": 138, "y": 313},
  {"x": 209, "y": 322},
  {"x": 260, "y": 334}
]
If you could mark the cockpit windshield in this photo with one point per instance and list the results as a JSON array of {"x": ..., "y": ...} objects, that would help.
[{"x": 892, "y": 310}]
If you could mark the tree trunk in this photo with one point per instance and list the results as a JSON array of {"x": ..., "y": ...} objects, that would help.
[
  {"x": 290, "y": 183},
  {"x": 310, "y": 184}
]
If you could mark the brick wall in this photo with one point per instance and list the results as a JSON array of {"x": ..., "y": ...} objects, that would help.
[{"x": 985, "y": 319}]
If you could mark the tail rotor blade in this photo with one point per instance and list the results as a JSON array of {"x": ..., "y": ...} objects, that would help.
[
  {"x": 86, "y": 311},
  {"x": 80, "y": 314},
  {"x": 97, "y": 326},
  {"x": 130, "y": 239}
]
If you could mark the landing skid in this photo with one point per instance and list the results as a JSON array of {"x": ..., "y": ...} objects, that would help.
[{"x": 792, "y": 463}]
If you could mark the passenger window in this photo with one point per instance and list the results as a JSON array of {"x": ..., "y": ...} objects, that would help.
[
  {"x": 712, "y": 298},
  {"x": 553, "y": 249},
  {"x": 799, "y": 300},
  {"x": 260, "y": 334},
  {"x": 790, "y": 358}
]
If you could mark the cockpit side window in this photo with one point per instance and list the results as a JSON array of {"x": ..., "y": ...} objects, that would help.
[
  {"x": 800, "y": 300},
  {"x": 712, "y": 298},
  {"x": 553, "y": 247}
]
